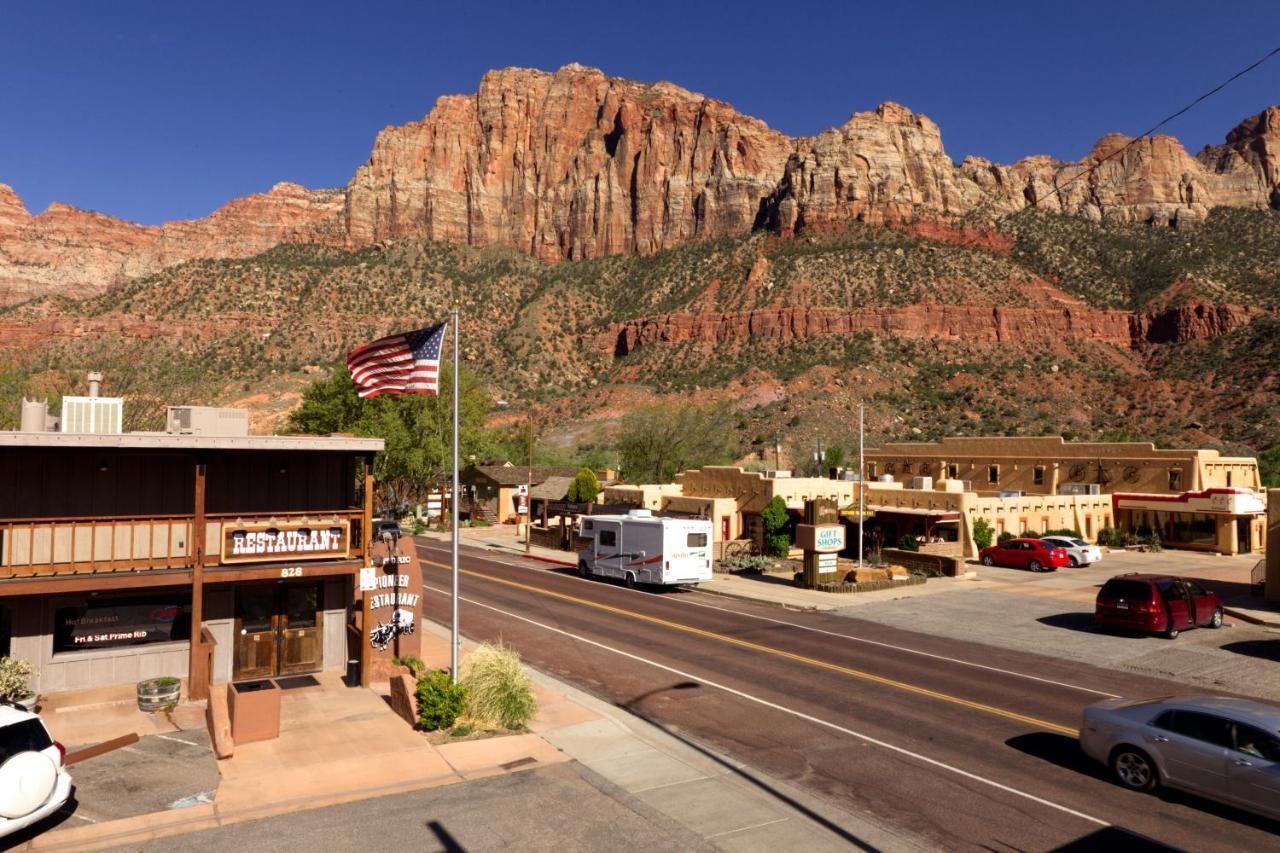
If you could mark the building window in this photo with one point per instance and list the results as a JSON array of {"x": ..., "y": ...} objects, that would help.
[
  {"x": 1228, "y": 478},
  {"x": 1175, "y": 479},
  {"x": 110, "y": 622},
  {"x": 1044, "y": 524},
  {"x": 953, "y": 471},
  {"x": 1037, "y": 475},
  {"x": 906, "y": 467},
  {"x": 993, "y": 473},
  {"x": 871, "y": 470},
  {"x": 1088, "y": 527}
]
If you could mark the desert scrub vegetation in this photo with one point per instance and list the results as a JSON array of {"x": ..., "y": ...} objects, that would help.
[{"x": 499, "y": 691}]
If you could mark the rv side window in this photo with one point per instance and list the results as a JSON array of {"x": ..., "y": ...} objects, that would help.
[
  {"x": 608, "y": 538},
  {"x": 697, "y": 540}
]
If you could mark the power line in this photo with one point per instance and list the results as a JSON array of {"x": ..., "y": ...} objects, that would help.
[{"x": 1057, "y": 190}]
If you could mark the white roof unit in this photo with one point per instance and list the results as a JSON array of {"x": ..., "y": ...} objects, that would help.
[{"x": 93, "y": 415}]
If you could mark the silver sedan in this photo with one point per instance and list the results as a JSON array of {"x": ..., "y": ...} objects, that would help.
[
  {"x": 1219, "y": 747},
  {"x": 1080, "y": 553}
]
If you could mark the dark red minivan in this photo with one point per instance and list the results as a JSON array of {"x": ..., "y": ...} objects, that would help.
[{"x": 1156, "y": 604}]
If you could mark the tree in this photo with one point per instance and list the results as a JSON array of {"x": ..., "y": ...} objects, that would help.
[
  {"x": 1269, "y": 467},
  {"x": 417, "y": 428},
  {"x": 655, "y": 442},
  {"x": 585, "y": 488},
  {"x": 982, "y": 533},
  {"x": 776, "y": 521}
]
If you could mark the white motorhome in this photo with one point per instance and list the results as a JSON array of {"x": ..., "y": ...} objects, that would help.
[{"x": 641, "y": 548}]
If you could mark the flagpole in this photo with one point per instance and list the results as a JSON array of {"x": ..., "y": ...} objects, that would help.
[
  {"x": 862, "y": 484},
  {"x": 453, "y": 639}
]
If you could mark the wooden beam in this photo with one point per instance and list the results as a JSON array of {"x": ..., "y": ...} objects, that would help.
[
  {"x": 197, "y": 680},
  {"x": 84, "y": 583}
]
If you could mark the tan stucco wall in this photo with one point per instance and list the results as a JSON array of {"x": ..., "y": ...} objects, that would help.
[
  {"x": 752, "y": 490},
  {"x": 1124, "y": 466}
]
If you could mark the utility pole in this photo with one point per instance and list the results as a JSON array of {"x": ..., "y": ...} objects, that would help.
[
  {"x": 862, "y": 484},
  {"x": 528, "y": 498}
]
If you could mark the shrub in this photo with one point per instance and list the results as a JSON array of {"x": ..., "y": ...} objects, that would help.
[
  {"x": 909, "y": 543},
  {"x": 1063, "y": 531},
  {"x": 15, "y": 679},
  {"x": 1005, "y": 537},
  {"x": 1112, "y": 537},
  {"x": 499, "y": 691},
  {"x": 776, "y": 519},
  {"x": 1151, "y": 540},
  {"x": 440, "y": 701},
  {"x": 1027, "y": 534},
  {"x": 982, "y": 533},
  {"x": 585, "y": 487},
  {"x": 745, "y": 563},
  {"x": 419, "y": 527},
  {"x": 416, "y": 667}
]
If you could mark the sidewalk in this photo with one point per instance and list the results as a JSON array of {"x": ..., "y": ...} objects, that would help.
[{"x": 339, "y": 745}]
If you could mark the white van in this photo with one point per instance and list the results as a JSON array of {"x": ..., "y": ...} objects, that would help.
[{"x": 639, "y": 548}]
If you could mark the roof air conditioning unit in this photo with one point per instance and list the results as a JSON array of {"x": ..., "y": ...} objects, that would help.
[
  {"x": 94, "y": 415},
  {"x": 206, "y": 420},
  {"x": 922, "y": 483}
]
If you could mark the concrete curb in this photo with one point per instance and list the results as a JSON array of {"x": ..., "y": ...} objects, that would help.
[{"x": 1253, "y": 620}]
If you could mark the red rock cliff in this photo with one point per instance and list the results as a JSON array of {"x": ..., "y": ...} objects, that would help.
[{"x": 576, "y": 164}]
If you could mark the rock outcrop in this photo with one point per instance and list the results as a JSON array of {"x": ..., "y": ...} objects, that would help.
[
  {"x": 981, "y": 324},
  {"x": 575, "y": 164}
]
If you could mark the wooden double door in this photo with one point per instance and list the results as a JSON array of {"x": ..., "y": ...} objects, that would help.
[{"x": 279, "y": 629}]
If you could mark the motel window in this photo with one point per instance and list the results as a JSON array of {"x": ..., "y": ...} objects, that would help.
[
  {"x": 110, "y": 622},
  {"x": 1037, "y": 475},
  {"x": 1044, "y": 524},
  {"x": 1228, "y": 478},
  {"x": 871, "y": 470},
  {"x": 993, "y": 473},
  {"x": 906, "y": 467},
  {"x": 953, "y": 472},
  {"x": 1088, "y": 527},
  {"x": 1175, "y": 479}
]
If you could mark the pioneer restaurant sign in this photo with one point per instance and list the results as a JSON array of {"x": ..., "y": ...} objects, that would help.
[{"x": 260, "y": 542}]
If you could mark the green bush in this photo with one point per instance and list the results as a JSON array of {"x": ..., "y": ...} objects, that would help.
[
  {"x": 499, "y": 692},
  {"x": 419, "y": 527},
  {"x": 1112, "y": 537},
  {"x": 416, "y": 667},
  {"x": 745, "y": 563},
  {"x": 1151, "y": 540},
  {"x": 15, "y": 678},
  {"x": 440, "y": 701},
  {"x": 776, "y": 520},
  {"x": 1063, "y": 531},
  {"x": 1005, "y": 537},
  {"x": 909, "y": 543},
  {"x": 982, "y": 533},
  {"x": 1027, "y": 534}
]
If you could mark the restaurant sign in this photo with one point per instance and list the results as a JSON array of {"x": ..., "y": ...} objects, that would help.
[{"x": 264, "y": 541}]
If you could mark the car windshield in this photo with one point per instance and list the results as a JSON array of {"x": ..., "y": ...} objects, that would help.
[
  {"x": 23, "y": 736},
  {"x": 1078, "y": 543}
]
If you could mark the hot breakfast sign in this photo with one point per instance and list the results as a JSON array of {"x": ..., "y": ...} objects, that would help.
[{"x": 264, "y": 541}]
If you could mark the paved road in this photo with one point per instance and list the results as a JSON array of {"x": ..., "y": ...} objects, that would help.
[{"x": 968, "y": 746}]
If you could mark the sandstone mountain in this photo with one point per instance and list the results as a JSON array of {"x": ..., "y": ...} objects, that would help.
[{"x": 575, "y": 164}]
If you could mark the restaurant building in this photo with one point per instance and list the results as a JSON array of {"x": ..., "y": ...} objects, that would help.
[{"x": 212, "y": 558}]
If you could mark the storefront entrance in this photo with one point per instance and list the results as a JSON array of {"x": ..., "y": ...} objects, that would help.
[
  {"x": 279, "y": 630},
  {"x": 1244, "y": 535}
]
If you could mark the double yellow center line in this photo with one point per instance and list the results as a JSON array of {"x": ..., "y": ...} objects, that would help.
[{"x": 770, "y": 650}]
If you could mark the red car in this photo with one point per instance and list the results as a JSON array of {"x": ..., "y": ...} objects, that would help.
[
  {"x": 1156, "y": 604},
  {"x": 1025, "y": 554}
]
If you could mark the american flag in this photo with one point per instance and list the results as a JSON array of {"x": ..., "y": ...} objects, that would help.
[{"x": 408, "y": 363}]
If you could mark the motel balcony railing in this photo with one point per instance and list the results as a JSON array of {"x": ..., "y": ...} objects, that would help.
[{"x": 48, "y": 547}]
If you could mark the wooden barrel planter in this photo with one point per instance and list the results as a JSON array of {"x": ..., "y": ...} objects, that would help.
[{"x": 158, "y": 694}]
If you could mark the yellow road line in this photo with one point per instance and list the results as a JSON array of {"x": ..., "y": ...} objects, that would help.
[{"x": 770, "y": 650}]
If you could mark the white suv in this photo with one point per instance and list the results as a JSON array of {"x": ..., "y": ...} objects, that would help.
[{"x": 33, "y": 782}]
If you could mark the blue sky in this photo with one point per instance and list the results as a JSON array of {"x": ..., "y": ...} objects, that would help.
[{"x": 154, "y": 111}]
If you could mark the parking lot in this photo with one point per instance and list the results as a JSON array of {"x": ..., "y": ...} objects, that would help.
[{"x": 1052, "y": 614}]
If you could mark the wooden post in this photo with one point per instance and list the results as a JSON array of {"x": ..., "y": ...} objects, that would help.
[
  {"x": 366, "y": 538},
  {"x": 197, "y": 678}
]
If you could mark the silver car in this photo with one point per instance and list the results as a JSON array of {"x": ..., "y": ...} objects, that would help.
[
  {"x": 1222, "y": 748},
  {"x": 1080, "y": 552}
]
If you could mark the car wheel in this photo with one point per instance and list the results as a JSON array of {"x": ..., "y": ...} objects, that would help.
[
  {"x": 1075, "y": 564},
  {"x": 987, "y": 561},
  {"x": 1134, "y": 769},
  {"x": 631, "y": 581},
  {"x": 1171, "y": 634},
  {"x": 1216, "y": 620},
  {"x": 1035, "y": 566}
]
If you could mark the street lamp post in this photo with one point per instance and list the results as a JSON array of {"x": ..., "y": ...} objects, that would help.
[{"x": 528, "y": 498}]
